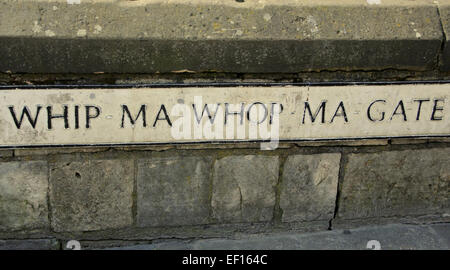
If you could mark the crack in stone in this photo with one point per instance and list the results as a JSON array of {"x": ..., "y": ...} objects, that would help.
[
  {"x": 342, "y": 163},
  {"x": 240, "y": 200}
]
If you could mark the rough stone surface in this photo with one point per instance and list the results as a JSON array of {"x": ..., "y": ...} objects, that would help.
[
  {"x": 309, "y": 187},
  {"x": 6, "y": 153},
  {"x": 364, "y": 142},
  {"x": 244, "y": 188},
  {"x": 57, "y": 150},
  {"x": 23, "y": 195},
  {"x": 390, "y": 237},
  {"x": 444, "y": 11},
  {"x": 173, "y": 191},
  {"x": 165, "y": 245},
  {"x": 443, "y": 231},
  {"x": 29, "y": 244},
  {"x": 409, "y": 140},
  {"x": 396, "y": 183},
  {"x": 91, "y": 195},
  {"x": 227, "y": 36}
]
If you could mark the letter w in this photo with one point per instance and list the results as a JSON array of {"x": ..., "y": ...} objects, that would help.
[
  {"x": 25, "y": 111},
  {"x": 205, "y": 108}
]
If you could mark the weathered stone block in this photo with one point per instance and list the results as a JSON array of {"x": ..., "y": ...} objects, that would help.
[
  {"x": 57, "y": 150},
  {"x": 23, "y": 195},
  {"x": 396, "y": 183},
  {"x": 244, "y": 188},
  {"x": 309, "y": 187},
  {"x": 6, "y": 153},
  {"x": 91, "y": 195},
  {"x": 173, "y": 191},
  {"x": 364, "y": 142}
]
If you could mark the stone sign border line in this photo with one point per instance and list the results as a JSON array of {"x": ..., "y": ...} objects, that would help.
[
  {"x": 220, "y": 142},
  {"x": 131, "y": 87},
  {"x": 218, "y": 84}
]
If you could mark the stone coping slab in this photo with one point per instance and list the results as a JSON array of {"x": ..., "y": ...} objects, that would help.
[{"x": 78, "y": 36}]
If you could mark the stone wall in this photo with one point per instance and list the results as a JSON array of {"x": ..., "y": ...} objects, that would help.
[{"x": 117, "y": 196}]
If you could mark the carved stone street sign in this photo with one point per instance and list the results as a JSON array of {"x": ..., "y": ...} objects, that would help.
[{"x": 47, "y": 117}]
